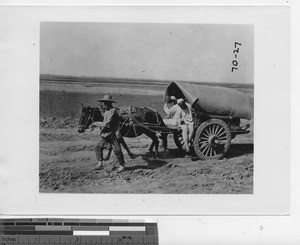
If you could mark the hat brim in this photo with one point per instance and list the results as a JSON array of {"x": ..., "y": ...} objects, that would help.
[{"x": 102, "y": 100}]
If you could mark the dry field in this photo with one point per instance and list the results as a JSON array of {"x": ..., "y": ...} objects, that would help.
[{"x": 67, "y": 158}]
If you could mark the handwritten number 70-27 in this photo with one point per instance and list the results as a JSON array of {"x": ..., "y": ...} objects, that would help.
[{"x": 235, "y": 52}]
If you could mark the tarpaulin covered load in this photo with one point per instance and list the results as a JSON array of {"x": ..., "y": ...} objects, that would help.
[{"x": 212, "y": 100}]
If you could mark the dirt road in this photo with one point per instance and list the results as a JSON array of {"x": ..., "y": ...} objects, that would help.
[{"x": 67, "y": 160}]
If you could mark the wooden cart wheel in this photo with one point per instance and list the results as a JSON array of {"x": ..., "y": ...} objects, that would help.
[
  {"x": 212, "y": 139},
  {"x": 178, "y": 140}
]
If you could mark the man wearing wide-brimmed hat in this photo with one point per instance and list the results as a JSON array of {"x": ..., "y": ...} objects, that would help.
[{"x": 110, "y": 128}]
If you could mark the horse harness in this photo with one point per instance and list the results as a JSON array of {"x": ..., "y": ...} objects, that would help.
[
  {"x": 132, "y": 121},
  {"x": 136, "y": 123}
]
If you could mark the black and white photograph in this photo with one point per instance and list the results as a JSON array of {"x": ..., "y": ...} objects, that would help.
[
  {"x": 183, "y": 114},
  {"x": 146, "y": 108}
]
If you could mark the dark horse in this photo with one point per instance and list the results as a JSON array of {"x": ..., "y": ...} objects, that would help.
[{"x": 134, "y": 121}]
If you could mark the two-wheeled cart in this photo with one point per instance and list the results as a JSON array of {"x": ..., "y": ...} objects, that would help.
[{"x": 217, "y": 117}]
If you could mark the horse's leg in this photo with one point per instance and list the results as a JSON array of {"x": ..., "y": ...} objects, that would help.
[
  {"x": 155, "y": 142},
  {"x": 151, "y": 147},
  {"x": 123, "y": 143},
  {"x": 164, "y": 139},
  {"x": 141, "y": 130}
]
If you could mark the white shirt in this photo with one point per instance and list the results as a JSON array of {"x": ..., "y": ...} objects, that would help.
[
  {"x": 176, "y": 112},
  {"x": 187, "y": 115}
]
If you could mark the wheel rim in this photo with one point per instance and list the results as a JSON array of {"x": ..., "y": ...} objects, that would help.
[{"x": 212, "y": 140}]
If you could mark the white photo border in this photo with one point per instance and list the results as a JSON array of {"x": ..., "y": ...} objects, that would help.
[{"x": 20, "y": 82}]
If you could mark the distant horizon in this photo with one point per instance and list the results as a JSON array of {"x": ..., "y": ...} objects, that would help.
[{"x": 140, "y": 79}]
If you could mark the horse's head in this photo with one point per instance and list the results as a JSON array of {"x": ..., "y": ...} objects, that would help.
[{"x": 86, "y": 118}]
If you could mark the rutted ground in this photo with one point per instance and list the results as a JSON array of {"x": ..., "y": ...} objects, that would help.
[{"x": 67, "y": 160}]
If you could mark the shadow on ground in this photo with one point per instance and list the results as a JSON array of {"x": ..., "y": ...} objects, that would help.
[
  {"x": 236, "y": 150},
  {"x": 152, "y": 162}
]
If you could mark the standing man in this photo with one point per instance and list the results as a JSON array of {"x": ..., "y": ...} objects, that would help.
[
  {"x": 186, "y": 123},
  {"x": 119, "y": 137},
  {"x": 110, "y": 128}
]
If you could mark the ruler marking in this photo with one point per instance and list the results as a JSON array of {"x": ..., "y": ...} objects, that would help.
[{"x": 78, "y": 231}]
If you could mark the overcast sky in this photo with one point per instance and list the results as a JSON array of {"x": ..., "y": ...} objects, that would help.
[{"x": 186, "y": 52}]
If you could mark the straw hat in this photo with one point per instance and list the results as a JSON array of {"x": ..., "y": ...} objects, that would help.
[{"x": 107, "y": 98}]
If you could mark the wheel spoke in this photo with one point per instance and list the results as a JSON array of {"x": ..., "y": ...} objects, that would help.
[
  {"x": 220, "y": 130},
  {"x": 204, "y": 150},
  {"x": 217, "y": 129},
  {"x": 203, "y": 133},
  {"x": 207, "y": 131},
  {"x": 211, "y": 129},
  {"x": 210, "y": 151},
  {"x": 222, "y": 134},
  {"x": 215, "y": 153},
  {"x": 207, "y": 152},
  {"x": 223, "y": 138},
  {"x": 203, "y": 144},
  {"x": 206, "y": 138}
]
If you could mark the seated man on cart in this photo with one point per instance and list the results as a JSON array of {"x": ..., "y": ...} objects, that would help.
[
  {"x": 171, "y": 101},
  {"x": 181, "y": 114}
]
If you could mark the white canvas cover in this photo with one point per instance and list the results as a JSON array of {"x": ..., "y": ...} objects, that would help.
[{"x": 213, "y": 100}]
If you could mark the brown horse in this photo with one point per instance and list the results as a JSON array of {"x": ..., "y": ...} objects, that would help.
[{"x": 134, "y": 121}]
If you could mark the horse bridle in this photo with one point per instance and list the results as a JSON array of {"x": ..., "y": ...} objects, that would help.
[{"x": 91, "y": 116}]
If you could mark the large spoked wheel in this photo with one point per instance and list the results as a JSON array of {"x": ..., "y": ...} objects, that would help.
[
  {"x": 212, "y": 139},
  {"x": 178, "y": 139}
]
